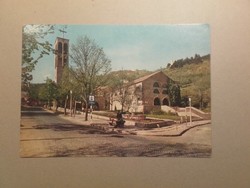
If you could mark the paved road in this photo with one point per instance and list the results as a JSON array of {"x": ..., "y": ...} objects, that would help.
[{"x": 44, "y": 134}]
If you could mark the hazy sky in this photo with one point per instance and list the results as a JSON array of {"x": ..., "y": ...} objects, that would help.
[{"x": 134, "y": 46}]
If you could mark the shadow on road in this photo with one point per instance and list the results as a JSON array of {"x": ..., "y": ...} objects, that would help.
[
  {"x": 37, "y": 110},
  {"x": 133, "y": 150},
  {"x": 82, "y": 129}
]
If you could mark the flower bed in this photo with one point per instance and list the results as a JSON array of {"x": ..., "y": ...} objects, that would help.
[
  {"x": 153, "y": 124},
  {"x": 138, "y": 117}
]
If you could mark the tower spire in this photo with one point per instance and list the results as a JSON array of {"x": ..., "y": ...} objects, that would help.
[{"x": 63, "y": 30}]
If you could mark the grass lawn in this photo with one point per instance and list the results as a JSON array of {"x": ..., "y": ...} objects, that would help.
[{"x": 164, "y": 116}]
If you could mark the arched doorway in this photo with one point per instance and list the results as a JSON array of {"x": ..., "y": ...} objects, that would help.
[
  {"x": 157, "y": 101},
  {"x": 165, "y": 102}
]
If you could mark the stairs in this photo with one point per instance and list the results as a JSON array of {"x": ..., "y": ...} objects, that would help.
[{"x": 186, "y": 112}]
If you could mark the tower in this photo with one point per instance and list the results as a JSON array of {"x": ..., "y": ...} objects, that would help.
[{"x": 61, "y": 57}]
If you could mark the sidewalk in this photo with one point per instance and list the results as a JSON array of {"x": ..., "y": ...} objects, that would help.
[
  {"x": 103, "y": 123},
  {"x": 173, "y": 130}
]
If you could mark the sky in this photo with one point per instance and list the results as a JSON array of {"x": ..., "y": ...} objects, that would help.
[{"x": 131, "y": 47}]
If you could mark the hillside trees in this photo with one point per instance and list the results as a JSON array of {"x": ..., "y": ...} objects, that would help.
[
  {"x": 194, "y": 82},
  {"x": 181, "y": 62},
  {"x": 90, "y": 67}
]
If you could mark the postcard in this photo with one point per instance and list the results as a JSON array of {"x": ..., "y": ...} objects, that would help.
[{"x": 116, "y": 91}]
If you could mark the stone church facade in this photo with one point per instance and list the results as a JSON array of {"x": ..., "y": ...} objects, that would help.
[{"x": 141, "y": 95}]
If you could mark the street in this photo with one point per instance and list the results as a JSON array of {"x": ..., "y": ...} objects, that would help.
[{"x": 44, "y": 134}]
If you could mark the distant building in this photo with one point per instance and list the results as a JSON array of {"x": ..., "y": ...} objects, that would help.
[
  {"x": 61, "y": 57},
  {"x": 141, "y": 95}
]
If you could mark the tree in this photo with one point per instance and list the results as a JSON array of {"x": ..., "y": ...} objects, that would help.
[
  {"x": 90, "y": 67},
  {"x": 124, "y": 97},
  {"x": 67, "y": 84},
  {"x": 34, "y": 47},
  {"x": 49, "y": 92},
  {"x": 116, "y": 85},
  {"x": 174, "y": 93}
]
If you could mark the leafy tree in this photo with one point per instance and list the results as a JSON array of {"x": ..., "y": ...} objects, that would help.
[
  {"x": 120, "y": 89},
  {"x": 67, "y": 84},
  {"x": 116, "y": 84},
  {"x": 34, "y": 91},
  {"x": 90, "y": 67},
  {"x": 174, "y": 93},
  {"x": 34, "y": 47},
  {"x": 49, "y": 92}
]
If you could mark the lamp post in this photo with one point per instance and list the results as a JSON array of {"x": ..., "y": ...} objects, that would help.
[
  {"x": 91, "y": 101},
  {"x": 189, "y": 99},
  {"x": 71, "y": 102},
  {"x": 186, "y": 115},
  {"x": 65, "y": 105}
]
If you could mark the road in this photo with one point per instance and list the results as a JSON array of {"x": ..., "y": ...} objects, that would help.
[{"x": 44, "y": 134}]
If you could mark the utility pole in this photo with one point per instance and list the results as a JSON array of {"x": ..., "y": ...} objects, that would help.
[
  {"x": 91, "y": 101},
  {"x": 65, "y": 105},
  {"x": 190, "y": 105},
  {"x": 71, "y": 103}
]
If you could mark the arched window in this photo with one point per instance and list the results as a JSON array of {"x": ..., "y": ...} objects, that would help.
[
  {"x": 59, "y": 47},
  {"x": 65, "y": 48},
  {"x": 165, "y": 102},
  {"x": 156, "y": 84},
  {"x": 157, "y": 101},
  {"x": 156, "y": 91}
]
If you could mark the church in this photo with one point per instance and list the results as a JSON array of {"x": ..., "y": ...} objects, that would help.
[{"x": 141, "y": 95}]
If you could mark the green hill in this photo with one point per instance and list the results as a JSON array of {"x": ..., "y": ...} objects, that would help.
[
  {"x": 191, "y": 74},
  {"x": 194, "y": 80}
]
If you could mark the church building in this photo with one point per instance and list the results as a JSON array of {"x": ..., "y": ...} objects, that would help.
[{"x": 141, "y": 95}]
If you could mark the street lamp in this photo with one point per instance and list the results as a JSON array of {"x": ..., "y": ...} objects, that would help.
[
  {"x": 91, "y": 102},
  {"x": 189, "y": 99},
  {"x": 71, "y": 102},
  {"x": 65, "y": 105}
]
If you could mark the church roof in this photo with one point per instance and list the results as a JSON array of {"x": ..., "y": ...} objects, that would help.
[{"x": 141, "y": 79}]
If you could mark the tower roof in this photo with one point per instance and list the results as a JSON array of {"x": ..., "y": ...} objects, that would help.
[{"x": 61, "y": 39}]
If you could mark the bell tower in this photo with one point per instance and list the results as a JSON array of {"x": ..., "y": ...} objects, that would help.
[{"x": 61, "y": 57}]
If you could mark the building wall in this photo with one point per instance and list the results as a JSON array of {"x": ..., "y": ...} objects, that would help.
[
  {"x": 142, "y": 96},
  {"x": 150, "y": 87},
  {"x": 102, "y": 98}
]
